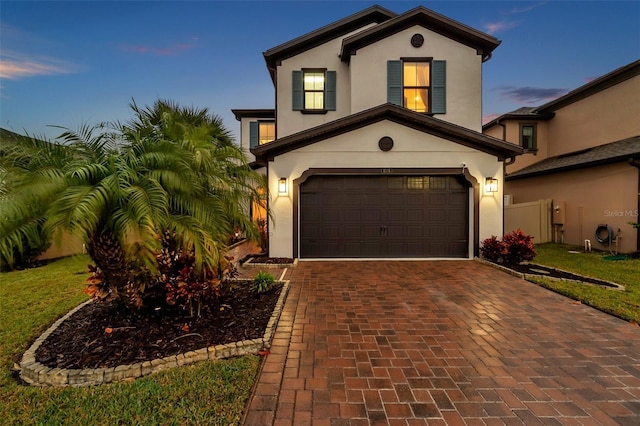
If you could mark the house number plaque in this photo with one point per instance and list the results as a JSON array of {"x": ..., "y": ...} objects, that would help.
[{"x": 385, "y": 143}]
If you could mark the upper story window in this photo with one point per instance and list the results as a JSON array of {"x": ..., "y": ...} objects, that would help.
[
  {"x": 415, "y": 81},
  {"x": 261, "y": 132},
  {"x": 314, "y": 91},
  {"x": 266, "y": 131},
  {"x": 418, "y": 84},
  {"x": 528, "y": 137}
]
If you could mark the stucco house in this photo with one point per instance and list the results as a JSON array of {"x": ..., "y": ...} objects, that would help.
[
  {"x": 581, "y": 150},
  {"x": 375, "y": 146}
]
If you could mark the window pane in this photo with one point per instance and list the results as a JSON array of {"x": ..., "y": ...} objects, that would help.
[
  {"x": 409, "y": 74},
  {"x": 422, "y": 74},
  {"x": 314, "y": 81},
  {"x": 267, "y": 132},
  {"x": 416, "y": 99},
  {"x": 527, "y": 137},
  {"x": 314, "y": 100}
]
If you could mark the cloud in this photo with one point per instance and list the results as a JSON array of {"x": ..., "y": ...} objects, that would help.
[
  {"x": 526, "y": 8},
  {"x": 14, "y": 66},
  {"x": 506, "y": 23},
  {"x": 489, "y": 117},
  {"x": 172, "y": 49},
  {"x": 529, "y": 95},
  {"x": 496, "y": 27}
]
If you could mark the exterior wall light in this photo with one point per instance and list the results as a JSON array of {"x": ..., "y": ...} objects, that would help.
[
  {"x": 282, "y": 186},
  {"x": 490, "y": 185}
]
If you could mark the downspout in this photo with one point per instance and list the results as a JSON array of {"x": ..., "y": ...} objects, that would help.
[{"x": 635, "y": 162}]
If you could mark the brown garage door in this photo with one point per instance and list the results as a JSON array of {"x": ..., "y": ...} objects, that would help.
[{"x": 384, "y": 216}]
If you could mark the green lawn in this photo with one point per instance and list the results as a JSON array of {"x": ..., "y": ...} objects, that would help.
[
  {"x": 624, "y": 304},
  {"x": 205, "y": 393}
]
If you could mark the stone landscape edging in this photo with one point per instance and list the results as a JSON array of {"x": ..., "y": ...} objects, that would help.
[
  {"x": 611, "y": 285},
  {"x": 248, "y": 264},
  {"x": 37, "y": 374}
]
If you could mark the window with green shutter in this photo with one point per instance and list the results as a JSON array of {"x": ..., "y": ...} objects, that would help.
[
  {"x": 314, "y": 90},
  {"x": 261, "y": 132},
  {"x": 418, "y": 84}
]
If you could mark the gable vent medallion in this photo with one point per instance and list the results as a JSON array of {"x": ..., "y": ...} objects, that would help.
[
  {"x": 385, "y": 143},
  {"x": 417, "y": 40}
]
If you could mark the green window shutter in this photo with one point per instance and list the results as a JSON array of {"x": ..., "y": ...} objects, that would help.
[
  {"x": 330, "y": 91},
  {"x": 394, "y": 82},
  {"x": 254, "y": 134},
  {"x": 298, "y": 104},
  {"x": 439, "y": 87}
]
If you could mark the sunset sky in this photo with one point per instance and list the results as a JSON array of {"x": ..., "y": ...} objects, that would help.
[{"x": 69, "y": 63}]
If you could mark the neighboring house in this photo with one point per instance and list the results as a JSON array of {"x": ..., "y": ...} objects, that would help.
[
  {"x": 378, "y": 150},
  {"x": 583, "y": 151}
]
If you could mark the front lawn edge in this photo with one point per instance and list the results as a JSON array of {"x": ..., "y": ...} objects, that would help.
[{"x": 37, "y": 374}]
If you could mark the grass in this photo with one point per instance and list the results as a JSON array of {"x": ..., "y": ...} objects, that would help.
[
  {"x": 211, "y": 392},
  {"x": 624, "y": 304}
]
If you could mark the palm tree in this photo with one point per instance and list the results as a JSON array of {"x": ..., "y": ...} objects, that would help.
[{"x": 170, "y": 169}]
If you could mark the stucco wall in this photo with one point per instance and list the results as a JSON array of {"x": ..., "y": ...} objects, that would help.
[
  {"x": 244, "y": 137},
  {"x": 323, "y": 56},
  {"x": 362, "y": 84},
  {"x": 607, "y": 116},
  {"x": 464, "y": 74},
  {"x": 598, "y": 195},
  {"x": 359, "y": 149}
]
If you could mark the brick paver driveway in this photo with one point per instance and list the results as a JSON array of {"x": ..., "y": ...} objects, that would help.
[{"x": 442, "y": 342}]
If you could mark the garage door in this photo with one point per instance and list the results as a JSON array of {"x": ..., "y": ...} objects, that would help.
[{"x": 384, "y": 216}]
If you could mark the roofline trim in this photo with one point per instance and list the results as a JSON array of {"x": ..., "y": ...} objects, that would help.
[
  {"x": 396, "y": 114},
  {"x": 258, "y": 113},
  {"x": 617, "y": 159},
  {"x": 599, "y": 84},
  {"x": 462, "y": 33}
]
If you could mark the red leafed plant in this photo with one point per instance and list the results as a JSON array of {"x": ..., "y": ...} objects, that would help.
[
  {"x": 518, "y": 247},
  {"x": 515, "y": 247},
  {"x": 492, "y": 249},
  {"x": 185, "y": 286}
]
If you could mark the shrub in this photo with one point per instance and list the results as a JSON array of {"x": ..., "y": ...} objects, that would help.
[
  {"x": 262, "y": 282},
  {"x": 518, "y": 247},
  {"x": 492, "y": 249},
  {"x": 514, "y": 248},
  {"x": 185, "y": 286}
]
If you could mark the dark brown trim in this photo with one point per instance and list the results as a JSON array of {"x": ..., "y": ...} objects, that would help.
[
  {"x": 483, "y": 43},
  {"x": 254, "y": 113},
  {"x": 396, "y": 114},
  {"x": 521, "y": 126},
  {"x": 520, "y": 117},
  {"x": 372, "y": 15},
  {"x": 472, "y": 182}
]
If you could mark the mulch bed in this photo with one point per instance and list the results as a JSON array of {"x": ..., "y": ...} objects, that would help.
[
  {"x": 545, "y": 271},
  {"x": 272, "y": 260},
  {"x": 105, "y": 334}
]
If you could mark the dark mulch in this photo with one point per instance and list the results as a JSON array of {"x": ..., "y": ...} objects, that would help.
[
  {"x": 545, "y": 271},
  {"x": 82, "y": 341},
  {"x": 272, "y": 260}
]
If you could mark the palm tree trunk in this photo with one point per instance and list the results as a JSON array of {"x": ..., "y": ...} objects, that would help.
[{"x": 105, "y": 250}]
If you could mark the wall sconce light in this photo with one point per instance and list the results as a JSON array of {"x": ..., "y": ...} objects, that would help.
[
  {"x": 282, "y": 186},
  {"x": 490, "y": 185}
]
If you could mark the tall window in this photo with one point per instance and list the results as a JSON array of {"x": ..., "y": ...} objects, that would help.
[
  {"x": 266, "y": 132},
  {"x": 313, "y": 90},
  {"x": 528, "y": 137},
  {"x": 418, "y": 84},
  {"x": 415, "y": 82}
]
